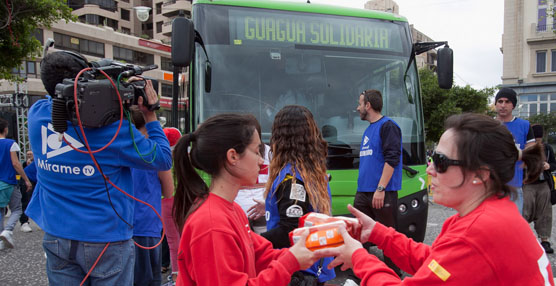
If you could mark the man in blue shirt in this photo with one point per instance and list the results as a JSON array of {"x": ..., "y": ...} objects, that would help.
[
  {"x": 84, "y": 216},
  {"x": 9, "y": 194},
  {"x": 504, "y": 103},
  {"x": 380, "y": 164}
]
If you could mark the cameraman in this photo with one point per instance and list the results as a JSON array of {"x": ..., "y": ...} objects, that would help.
[{"x": 82, "y": 215}]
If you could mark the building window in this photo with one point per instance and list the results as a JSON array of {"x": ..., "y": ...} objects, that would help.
[
  {"x": 553, "y": 98},
  {"x": 532, "y": 109},
  {"x": 158, "y": 8},
  {"x": 132, "y": 56},
  {"x": 126, "y": 30},
  {"x": 65, "y": 42},
  {"x": 31, "y": 67},
  {"x": 553, "y": 107},
  {"x": 541, "y": 61},
  {"x": 543, "y": 97},
  {"x": 553, "y": 59},
  {"x": 166, "y": 64},
  {"x": 38, "y": 34},
  {"x": 523, "y": 98},
  {"x": 124, "y": 14},
  {"x": 544, "y": 108},
  {"x": 532, "y": 97},
  {"x": 159, "y": 27},
  {"x": 541, "y": 15},
  {"x": 166, "y": 90}
]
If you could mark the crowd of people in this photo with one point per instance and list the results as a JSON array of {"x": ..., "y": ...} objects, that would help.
[{"x": 495, "y": 172}]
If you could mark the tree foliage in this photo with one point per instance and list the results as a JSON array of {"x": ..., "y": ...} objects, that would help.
[
  {"x": 439, "y": 104},
  {"x": 18, "y": 21}
]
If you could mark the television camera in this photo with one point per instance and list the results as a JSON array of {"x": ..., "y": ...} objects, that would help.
[{"x": 97, "y": 99}]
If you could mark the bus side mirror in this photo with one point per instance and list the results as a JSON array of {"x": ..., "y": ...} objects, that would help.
[
  {"x": 445, "y": 69},
  {"x": 183, "y": 39}
]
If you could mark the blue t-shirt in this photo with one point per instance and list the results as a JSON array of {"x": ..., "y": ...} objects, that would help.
[
  {"x": 520, "y": 129},
  {"x": 371, "y": 159},
  {"x": 70, "y": 199},
  {"x": 146, "y": 186},
  {"x": 7, "y": 171},
  {"x": 31, "y": 172}
]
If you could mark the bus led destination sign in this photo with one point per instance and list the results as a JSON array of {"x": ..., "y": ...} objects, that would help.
[{"x": 310, "y": 30}]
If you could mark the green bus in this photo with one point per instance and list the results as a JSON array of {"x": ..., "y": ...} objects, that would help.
[{"x": 258, "y": 56}]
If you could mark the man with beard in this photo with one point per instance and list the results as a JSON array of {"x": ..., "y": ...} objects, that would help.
[{"x": 380, "y": 164}]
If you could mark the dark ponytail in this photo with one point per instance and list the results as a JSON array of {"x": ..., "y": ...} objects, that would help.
[{"x": 209, "y": 146}]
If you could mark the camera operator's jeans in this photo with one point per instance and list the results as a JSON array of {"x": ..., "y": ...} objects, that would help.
[{"x": 68, "y": 261}]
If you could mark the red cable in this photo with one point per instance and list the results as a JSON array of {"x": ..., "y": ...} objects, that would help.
[{"x": 90, "y": 152}]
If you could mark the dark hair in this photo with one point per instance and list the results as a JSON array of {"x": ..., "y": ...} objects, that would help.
[
  {"x": 137, "y": 117},
  {"x": 483, "y": 142},
  {"x": 3, "y": 124},
  {"x": 209, "y": 145},
  {"x": 57, "y": 66},
  {"x": 296, "y": 139},
  {"x": 374, "y": 97}
]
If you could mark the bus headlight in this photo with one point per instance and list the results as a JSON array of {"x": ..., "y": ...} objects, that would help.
[
  {"x": 425, "y": 198},
  {"x": 414, "y": 203},
  {"x": 402, "y": 208}
]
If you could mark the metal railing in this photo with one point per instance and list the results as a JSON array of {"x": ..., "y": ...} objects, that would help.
[{"x": 545, "y": 27}]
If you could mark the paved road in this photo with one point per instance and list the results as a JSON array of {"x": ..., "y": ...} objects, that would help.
[{"x": 25, "y": 264}]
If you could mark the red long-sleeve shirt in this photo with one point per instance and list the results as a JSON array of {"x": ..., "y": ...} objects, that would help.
[
  {"x": 492, "y": 245},
  {"x": 217, "y": 247}
]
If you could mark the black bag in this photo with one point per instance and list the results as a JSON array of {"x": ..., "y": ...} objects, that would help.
[{"x": 300, "y": 278}]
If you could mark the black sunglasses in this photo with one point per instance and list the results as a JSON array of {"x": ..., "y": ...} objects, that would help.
[{"x": 441, "y": 162}]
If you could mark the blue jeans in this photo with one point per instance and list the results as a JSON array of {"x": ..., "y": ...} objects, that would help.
[
  {"x": 15, "y": 208},
  {"x": 68, "y": 261},
  {"x": 147, "y": 262}
]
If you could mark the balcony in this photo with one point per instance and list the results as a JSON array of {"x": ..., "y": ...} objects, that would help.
[
  {"x": 546, "y": 28},
  {"x": 171, "y": 8},
  {"x": 167, "y": 28}
]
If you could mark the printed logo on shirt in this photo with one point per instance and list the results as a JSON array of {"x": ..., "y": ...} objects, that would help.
[
  {"x": 439, "y": 270},
  {"x": 267, "y": 215},
  {"x": 294, "y": 211},
  {"x": 365, "y": 140},
  {"x": 87, "y": 170},
  {"x": 366, "y": 153},
  {"x": 298, "y": 193},
  {"x": 51, "y": 144}
]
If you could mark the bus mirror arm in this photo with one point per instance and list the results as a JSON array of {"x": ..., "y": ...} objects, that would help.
[
  {"x": 412, "y": 172},
  {"x": 208, "y": 64}
]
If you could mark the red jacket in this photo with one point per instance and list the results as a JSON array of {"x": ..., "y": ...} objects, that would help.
[
  {"x": 217, "y": 247},
  {"x": 492, "y": 245}
]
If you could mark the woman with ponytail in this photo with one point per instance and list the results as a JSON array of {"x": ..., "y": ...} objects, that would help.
[
  {"x": 217, "y": 246},
  {"x": 297, "y": 181},
  {"x": 487, "y": 242}
]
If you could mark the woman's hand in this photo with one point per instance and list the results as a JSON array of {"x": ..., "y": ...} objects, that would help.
[
  {"x": 304, "y": 256},
  {"x": 257, "y": 210},
  {"x": 342, "y": 253},
  {"x": 367, "y": 223}
]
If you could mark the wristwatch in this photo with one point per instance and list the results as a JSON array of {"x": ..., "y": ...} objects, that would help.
[{"x": 380, "y": 188}]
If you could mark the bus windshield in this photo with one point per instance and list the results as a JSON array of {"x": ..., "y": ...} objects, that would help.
[{"x": 264, "y": 60}]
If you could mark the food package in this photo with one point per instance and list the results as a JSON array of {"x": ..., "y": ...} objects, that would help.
[{"x": 324, "y": 230}]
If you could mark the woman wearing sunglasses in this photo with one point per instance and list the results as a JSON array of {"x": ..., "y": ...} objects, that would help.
[{"x": 486, "y": 243}]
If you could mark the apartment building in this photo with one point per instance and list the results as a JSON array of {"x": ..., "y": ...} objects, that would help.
[
  {"x": 529, "y": 55},
  {"x": 426, "y": 59},
  {"x": 111, "y": 29}
]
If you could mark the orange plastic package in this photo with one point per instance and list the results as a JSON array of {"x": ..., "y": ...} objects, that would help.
[{"x": 323, "y": 230}]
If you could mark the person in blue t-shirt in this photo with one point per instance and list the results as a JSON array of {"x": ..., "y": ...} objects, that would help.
[
  {"x": 148, "y": 186},
  {"x": 10, "y": 195},
  {"x": 504, "y": 103},
  {"x": 297, "y": 181},
  {"x": 83, "y": 215},
  {"x": 380, "y": 165}
]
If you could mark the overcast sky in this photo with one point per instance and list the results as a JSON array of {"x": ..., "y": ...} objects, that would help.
[{"x": 473, "y": 29}]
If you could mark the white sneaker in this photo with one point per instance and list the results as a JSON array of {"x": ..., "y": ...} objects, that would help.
[
  {"x": 7, "y": 237},
  {"x": 25, "y": 227}
]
